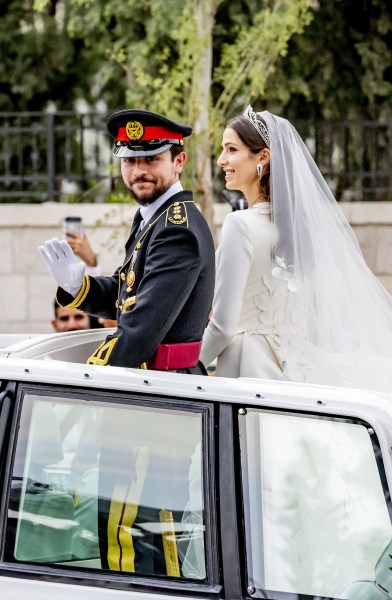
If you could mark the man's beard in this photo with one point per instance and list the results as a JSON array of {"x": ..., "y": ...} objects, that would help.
[{"x": 146, "y": 199}]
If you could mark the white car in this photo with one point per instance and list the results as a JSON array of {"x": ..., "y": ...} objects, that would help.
[{"x": 121, "y": 484}]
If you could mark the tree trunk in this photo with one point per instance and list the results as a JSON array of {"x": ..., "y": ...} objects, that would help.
[{"x": 204, "y": 11}]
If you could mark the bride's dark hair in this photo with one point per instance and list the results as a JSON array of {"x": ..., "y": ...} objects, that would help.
[{"x": 253, "y": 140}]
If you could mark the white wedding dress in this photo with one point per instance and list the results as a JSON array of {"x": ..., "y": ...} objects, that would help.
[
  {"x": 251, "y": 309},
  {"x": 294, "y": 298}
]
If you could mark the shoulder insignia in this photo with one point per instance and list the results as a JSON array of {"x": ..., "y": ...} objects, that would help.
[{"x": 177, "y": 214}]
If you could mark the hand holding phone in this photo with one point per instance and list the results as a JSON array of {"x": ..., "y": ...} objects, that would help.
[
  {"x": 73, "y": 225},
  {"x": 74, "y": 233}
]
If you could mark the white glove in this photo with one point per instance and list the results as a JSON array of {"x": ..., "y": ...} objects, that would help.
[{"x": 67, "y": 272}]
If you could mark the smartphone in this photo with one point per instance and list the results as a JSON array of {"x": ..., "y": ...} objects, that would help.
[{"x": 74, "y": 225}]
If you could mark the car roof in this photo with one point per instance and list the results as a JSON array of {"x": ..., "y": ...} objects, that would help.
[{"x": 58, "y": 359}]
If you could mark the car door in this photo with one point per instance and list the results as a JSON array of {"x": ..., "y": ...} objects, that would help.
[
  {"x": 112, "y": 495},
  {"x": 316, "y": 505},
  {"x": 106, "y": 495}
]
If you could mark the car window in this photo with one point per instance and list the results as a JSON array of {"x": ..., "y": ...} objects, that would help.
[
  {"x": 108, "y": 486},
  {"x": 316, "y": 515}
]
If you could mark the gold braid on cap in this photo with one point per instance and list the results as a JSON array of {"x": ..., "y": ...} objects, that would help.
[{"x": 261, "y": 128}]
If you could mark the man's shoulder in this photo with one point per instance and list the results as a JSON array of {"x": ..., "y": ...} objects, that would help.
[
  {"x": 181, "y": 211},
  {"x": 178, "y": 213}
]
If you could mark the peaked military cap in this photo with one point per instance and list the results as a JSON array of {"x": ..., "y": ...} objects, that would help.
[{"x": 142, "y": 133}]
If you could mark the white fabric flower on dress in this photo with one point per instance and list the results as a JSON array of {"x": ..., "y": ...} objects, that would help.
[{"x": 285, "y": 272}]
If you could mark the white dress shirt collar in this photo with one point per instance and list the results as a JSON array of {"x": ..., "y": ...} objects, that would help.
[{"x": 148, "y": 211}]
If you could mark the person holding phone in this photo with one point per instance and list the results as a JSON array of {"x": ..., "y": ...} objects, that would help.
[
  {"x": 161, "y": 295},
  {"x": 74, "y": 233}
]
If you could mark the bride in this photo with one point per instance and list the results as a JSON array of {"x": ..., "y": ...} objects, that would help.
[{"x": 294, "y": 299}]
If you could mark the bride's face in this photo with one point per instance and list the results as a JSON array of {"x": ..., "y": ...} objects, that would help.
[{"x": 239, "y": 164}]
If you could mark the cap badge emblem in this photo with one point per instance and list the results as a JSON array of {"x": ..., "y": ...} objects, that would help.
[{"x": 134, "y": 130}]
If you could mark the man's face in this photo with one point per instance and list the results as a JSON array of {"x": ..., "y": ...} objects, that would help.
[
  {"x": 149, "y": 177},
  {"x": 68, "y": 319}
]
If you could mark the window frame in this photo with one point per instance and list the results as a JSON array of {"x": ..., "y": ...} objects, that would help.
[
  {"x": 7, "y": 399},
  {"x": 240, "y": 412},
  {"x": 120, "y": 581}
]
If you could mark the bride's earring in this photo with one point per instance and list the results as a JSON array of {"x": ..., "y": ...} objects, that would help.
[{"x": 259, "y": 170}]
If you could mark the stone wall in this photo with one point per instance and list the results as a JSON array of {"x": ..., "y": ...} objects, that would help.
[{"x": 27, "y": 291}]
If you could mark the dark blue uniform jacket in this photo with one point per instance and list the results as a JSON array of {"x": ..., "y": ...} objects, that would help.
[{"x": 163, "y": 291}]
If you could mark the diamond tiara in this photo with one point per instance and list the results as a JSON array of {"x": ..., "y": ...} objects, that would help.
[{"x": 261, "y": 128}]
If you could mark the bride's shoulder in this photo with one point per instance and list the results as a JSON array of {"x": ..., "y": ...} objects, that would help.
[
  {"x": 248, "y": 218},
  {"x": 240, "y": 216},
  {"x": 237, "y": 225},
  {"x": 237, "y": 219}
]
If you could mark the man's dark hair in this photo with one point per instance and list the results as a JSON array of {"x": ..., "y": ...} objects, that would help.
[
  {"x": 175, "y": 151},
  {"x": 94, "y": 323}
]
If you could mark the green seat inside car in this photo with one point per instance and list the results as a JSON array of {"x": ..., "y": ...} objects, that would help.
[
  {"x": 46, "y": 526},
  {"x": 45, "y": 522}
]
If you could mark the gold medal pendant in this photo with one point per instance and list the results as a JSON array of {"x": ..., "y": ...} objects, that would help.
[{"x": 131, "y": 278}]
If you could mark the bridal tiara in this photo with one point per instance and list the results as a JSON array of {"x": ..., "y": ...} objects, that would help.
[{"x": 250, "y": 115}]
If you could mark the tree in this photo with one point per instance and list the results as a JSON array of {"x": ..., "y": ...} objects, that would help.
[
  {"x": 340, "y": 67},
  {"x": 171, "y": 61},
  {"x": 40, "y": 61}
]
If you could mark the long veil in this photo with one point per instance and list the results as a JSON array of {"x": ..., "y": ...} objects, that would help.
[{"x": 338, "y": 315}]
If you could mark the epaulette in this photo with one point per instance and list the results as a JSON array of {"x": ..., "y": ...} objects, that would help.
[{"x": 177, "y": 214}]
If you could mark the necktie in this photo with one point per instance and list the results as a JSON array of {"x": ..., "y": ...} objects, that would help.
[
  {"x": 136, "y": 222},
  {"x": 135, "y": 228}
]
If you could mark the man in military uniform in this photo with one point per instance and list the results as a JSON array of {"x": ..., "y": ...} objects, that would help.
[{"x": 161, "y": 295}]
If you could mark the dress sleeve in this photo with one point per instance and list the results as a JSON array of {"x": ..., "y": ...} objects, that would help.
[{"x": 233, "y": 260}]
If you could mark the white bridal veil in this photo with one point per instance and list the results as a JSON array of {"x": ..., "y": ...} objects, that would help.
[{"x": 338, "y": 316}]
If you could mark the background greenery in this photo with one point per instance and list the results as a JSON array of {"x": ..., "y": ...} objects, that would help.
[
  {"x": 200, "y": 61},
  {"x": 128, "y": 51}
]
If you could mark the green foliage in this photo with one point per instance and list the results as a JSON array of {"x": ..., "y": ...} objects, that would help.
[
  {"x": 120, "y": 198},
  {"x": 40, "y": 63},
  {"x": 300, "y": 58},
  {"x": 249, "y": 58},
  {"x": 147, "y": 53},
  {"x": 341, "y": 65}
]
